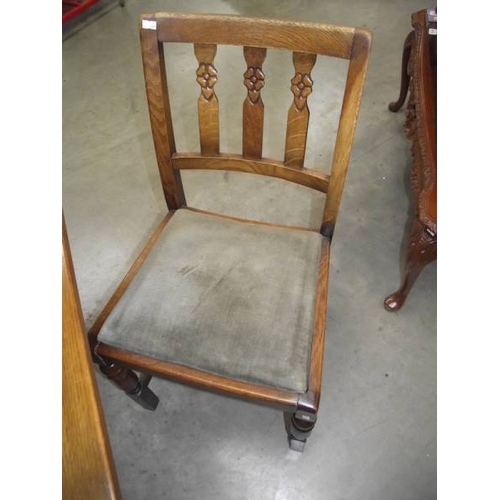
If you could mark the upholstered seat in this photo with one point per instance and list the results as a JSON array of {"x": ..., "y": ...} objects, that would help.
[{"x": 224, "y": 296}]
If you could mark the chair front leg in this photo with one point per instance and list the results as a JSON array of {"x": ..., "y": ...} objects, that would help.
[
  {"x": 135, "y": 387},
  {"x": 299, "y": 426}
]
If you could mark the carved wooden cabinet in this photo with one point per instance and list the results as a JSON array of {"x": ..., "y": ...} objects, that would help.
[{"x": 419, "y": 76}]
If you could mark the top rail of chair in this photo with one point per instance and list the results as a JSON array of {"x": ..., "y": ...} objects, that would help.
[{"x": 316, "y": 38}]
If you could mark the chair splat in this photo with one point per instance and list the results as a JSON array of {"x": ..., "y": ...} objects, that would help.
[
  {"x": 208, "y": 104},
  {"x": 253, "y": 107},
  {"x": 298, "y": 114}
]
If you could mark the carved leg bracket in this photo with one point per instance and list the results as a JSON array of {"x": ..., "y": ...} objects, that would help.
[{"x": 135, "y": 387}]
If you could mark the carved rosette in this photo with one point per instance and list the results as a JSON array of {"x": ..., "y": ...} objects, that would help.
[
  {"x": 206, "y": 76},
  {"x": 254, "y": 81},
  {"x": 301, "y": 88}
]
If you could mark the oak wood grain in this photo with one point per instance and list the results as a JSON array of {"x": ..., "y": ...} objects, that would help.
[
  {"x": 317, "y": 38},
  {"x": 298, "y": 114},
  {"x": 274, "y": 397},
  {"x": 253, "y": 107},
  {"x": 87, "y": 463},
  {"x": 306, "y": 177},
  {"x": 318, "y": 339},
  {"x": 161, "y": 121},
  {"x": 347, "y": 124},
  {"x": 208, "y": 104}
]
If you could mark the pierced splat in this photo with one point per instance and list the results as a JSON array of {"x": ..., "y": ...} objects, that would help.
[
  {"x": 298, "y": 114},
  {"x": 253, "y": 107},
  {"x": 208, "y": 104}
]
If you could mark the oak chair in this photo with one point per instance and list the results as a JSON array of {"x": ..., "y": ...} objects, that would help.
[{"x": 219, "y": 302}]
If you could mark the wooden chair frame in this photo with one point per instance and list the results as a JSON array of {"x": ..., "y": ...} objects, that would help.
[{"x": 305, "y": 40}]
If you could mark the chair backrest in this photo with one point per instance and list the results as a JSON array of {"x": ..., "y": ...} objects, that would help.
[{"x": 306, "y": 41}]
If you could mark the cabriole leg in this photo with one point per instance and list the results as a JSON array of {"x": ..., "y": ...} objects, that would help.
[
  {"x": 422, "y": 249},
  {"x": 405, "y": 77}
]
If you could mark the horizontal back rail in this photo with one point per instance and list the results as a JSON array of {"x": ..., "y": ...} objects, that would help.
[
  {"x": 316, "y": 38},
  {"x": 237, "y": 163}
]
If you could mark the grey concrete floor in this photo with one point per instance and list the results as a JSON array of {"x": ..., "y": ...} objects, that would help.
[{"x": 376, "y": 433}]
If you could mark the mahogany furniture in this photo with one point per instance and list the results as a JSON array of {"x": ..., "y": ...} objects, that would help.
[
  {"x": 419, "y": 75},
  {"x": 224, "y": 303},
  {"x": 88, "y": 467}
]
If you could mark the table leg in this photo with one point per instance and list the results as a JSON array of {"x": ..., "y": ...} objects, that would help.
[
  {"x": 422, "y": 249},
  {"x": 405, "y": 77}
]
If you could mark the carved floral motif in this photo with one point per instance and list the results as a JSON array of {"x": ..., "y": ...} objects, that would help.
[
  {"x": 254, "y": 81},
  {"x": 301, "y": 88},
  {"x": 207, "y": 77}
]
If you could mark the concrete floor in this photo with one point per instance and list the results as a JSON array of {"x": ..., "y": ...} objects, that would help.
[{"x": 376, "y": 433}]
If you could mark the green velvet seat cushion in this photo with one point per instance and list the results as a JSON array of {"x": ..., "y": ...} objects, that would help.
[{"x": 226, "y": 297}]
